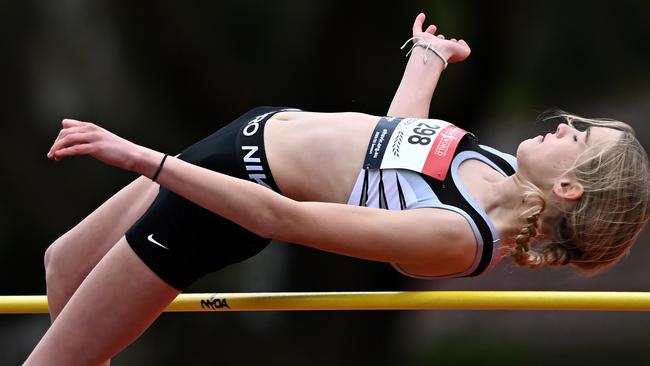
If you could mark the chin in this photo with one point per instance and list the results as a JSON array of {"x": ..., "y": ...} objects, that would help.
[
  {"x": 526, "y": 156},
  {"x": 522, "y": 147}
]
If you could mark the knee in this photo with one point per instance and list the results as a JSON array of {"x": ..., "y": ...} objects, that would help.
[
  {"x": 62, "y": 275},
  {"x": 59, "y": 278},
  {"x": 58, "y": 272},
  {"x": 51, "y": 261},
  {"x": 47, "y": 257}
]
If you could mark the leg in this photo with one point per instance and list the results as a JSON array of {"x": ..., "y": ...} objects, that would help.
[
  {"x": 71, "y": 257},
  {"x": 115, "y": 304}
]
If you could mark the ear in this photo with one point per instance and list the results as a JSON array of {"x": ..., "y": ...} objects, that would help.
[{"x": 568, "y": 189}]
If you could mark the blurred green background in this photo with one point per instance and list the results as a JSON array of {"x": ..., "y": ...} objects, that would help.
[{"x": 165, "y": 74}]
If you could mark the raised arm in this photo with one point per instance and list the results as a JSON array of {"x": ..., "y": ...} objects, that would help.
[
  {"x": 425, "y": 236},
  {"x": 413, "y": 96}
]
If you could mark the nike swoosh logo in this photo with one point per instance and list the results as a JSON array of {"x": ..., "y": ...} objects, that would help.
[{"x": 151, "y": 239}]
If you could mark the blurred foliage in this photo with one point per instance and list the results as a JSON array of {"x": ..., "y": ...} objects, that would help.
[{"x": 165, "y": 74}]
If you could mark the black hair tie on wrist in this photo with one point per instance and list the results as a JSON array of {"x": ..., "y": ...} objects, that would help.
[{"x": 155, "y": 176}]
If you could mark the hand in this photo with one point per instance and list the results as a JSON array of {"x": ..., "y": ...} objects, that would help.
[
  {"x": 454, "y": 50},
  {"x": 83, "y": 138}
]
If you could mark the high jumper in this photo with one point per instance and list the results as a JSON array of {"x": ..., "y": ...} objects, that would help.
[{"x": 404, "y": 188}]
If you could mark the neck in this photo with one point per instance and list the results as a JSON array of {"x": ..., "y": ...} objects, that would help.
[{"x": 504, "y": 203}]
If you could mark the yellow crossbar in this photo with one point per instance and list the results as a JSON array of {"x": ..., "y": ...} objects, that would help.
[{"x": 410, "y": 300}]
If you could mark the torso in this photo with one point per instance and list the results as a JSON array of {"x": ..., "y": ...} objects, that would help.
[{"x": 318, "y": 156}]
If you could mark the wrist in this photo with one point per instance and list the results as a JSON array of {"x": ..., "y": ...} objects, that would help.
[
  {"x": 428, "y": 50},
  {"x": 428, "y": 57},
  {"x": 146, "y": 161}
]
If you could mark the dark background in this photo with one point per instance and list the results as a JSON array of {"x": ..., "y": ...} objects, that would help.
[{"x": 165, "y": 74}]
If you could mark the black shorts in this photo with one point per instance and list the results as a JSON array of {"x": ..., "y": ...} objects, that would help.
[{"x": 181, "y": 241}]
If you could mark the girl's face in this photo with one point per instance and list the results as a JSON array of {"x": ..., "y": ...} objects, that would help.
[{"x": 544, "y": 159}]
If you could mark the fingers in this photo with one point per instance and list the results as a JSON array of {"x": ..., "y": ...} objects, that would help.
[
  {"x": 69, "y": 141},
  {"x": 431, "y": 29},
  {"x": 442, "y": 36},
  {"x": 62, "y": 134},
  {"x": 73, "y": 133},
  {"x": 417, "y": 24},
  {"x": 419, "y": 21},
  {"x": 66, "y": 131},
  {"x": 72, "y": 122},
  {"x": 81, "y": 149}
]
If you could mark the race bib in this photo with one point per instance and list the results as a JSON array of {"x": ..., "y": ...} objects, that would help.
[{"x": 423, "y": 145}]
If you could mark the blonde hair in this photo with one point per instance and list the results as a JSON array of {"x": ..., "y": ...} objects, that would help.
[{"x": 599, "y": 230}]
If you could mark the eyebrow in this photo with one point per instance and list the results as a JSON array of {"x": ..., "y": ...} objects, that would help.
[{"x": 587, "y": 137}]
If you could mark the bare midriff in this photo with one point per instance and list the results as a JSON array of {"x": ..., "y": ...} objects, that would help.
[{"x": 317, "y": 156}]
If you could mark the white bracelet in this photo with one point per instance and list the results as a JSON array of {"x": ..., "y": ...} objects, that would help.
[{"x": 427, "y": 46}]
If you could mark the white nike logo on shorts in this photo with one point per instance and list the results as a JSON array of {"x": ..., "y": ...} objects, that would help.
[{"x": 151, "y": 239}]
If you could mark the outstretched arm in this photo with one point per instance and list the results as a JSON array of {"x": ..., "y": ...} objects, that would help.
[
  {"x": 412, "y": 236},
  {"x": 413, "y": 96}
]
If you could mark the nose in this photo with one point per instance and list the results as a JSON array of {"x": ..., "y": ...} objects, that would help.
[{"x": 562, "y": 129}]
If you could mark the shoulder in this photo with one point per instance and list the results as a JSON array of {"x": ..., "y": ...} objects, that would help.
[{"x": 510, "y": 159}]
